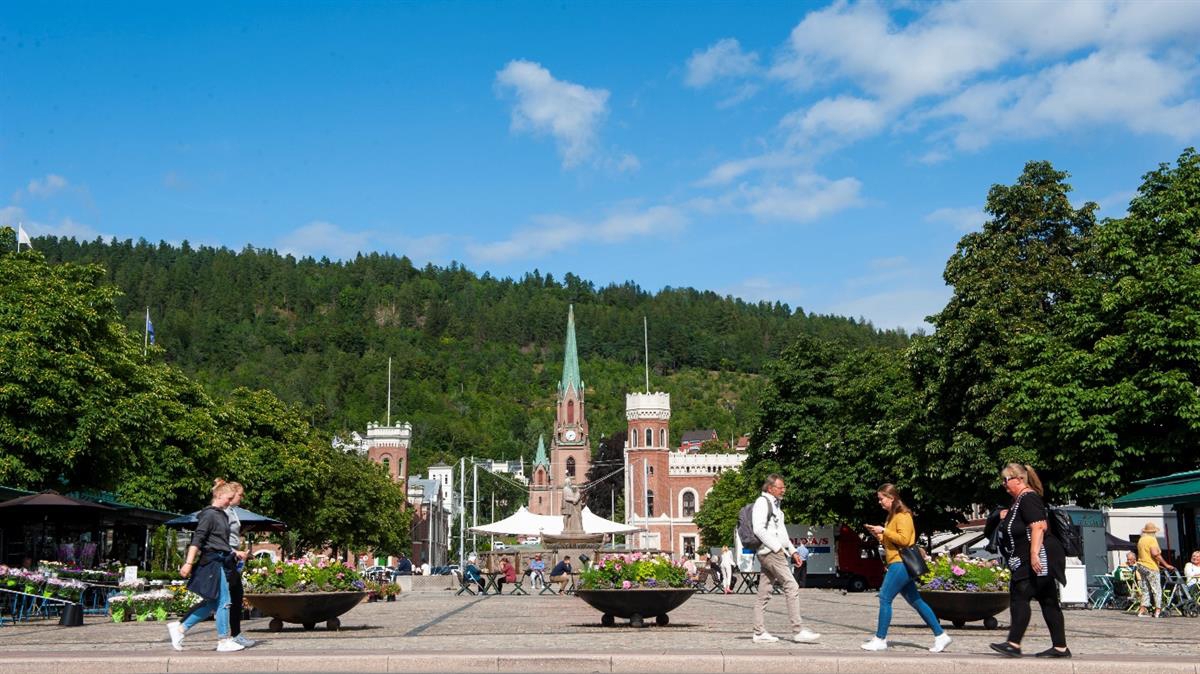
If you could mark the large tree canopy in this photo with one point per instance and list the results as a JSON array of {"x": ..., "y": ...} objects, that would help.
[{"x": 81, "y": 407}]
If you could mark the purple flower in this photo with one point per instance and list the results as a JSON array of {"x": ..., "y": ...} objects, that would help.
[{"x": 650, "y": 582}]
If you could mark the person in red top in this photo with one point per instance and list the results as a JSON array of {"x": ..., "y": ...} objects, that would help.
[{"x": 510, "y": 574}]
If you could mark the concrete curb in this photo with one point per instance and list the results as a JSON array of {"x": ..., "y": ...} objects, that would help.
[{"x": 801, "y": 661}]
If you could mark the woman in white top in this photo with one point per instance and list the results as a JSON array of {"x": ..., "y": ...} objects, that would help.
[
  {"x": 1191, "y": 570},
  {"x": 726, "y": 567}
]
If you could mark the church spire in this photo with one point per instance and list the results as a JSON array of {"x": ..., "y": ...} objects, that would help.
[
  {"x": 540, "y": 459},
  {"x": 570, "y": 376}
]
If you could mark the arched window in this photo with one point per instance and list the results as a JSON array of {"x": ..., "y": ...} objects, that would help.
[
  {"x": 570, "y": 411},
  {"x": 663, "y": 433},
  {"x": 650, "y": 502},
  {"x": 570, "y": 466},
  {"x": 649, "y": 437},
  {"x": 689, "y": 503},
  {"x": 387, "y": 465},
  {"x": 651, "y": 470},
  {"x": 635, "y": 437}
]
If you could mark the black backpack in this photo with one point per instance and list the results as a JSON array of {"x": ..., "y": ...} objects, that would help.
[
  {"x": 1068, "y": 535},
  {"x": 745, "y": 525}
]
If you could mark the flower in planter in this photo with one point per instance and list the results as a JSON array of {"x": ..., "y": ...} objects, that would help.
[
  {"x": 301, "y": 576},
  {"x": 965, "y": 574},
  {"x": 632, "y": 572}
]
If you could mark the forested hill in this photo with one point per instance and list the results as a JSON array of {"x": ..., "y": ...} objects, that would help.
[{"x": 475, "y": 358}]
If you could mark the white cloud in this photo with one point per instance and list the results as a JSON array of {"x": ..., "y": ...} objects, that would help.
[
  {"x": 967, "y": 219},
  {"x": 320, "y": 239},
  {"x": 723, "y": 60},
  {"x": 841, "y": 118},
  {"x": 627, "y": 163},
  {"x": 1122, "y": 88},
  {"x": 900, "y": 308},
  {"x": 764, "y": 289},
  {"x": 11, "y": 216},
  {"x": 729, "y": 171},
  {"x": 806, "y": 197},
  {"x": 569, "y": 112},
  {"x": 552, "y": 233},
  {"x": 67, "y": 228},
  {"x": 47, "y": 186},
  {"x": 324, "y": 239},
  {"x": 1132, "y": 64}
]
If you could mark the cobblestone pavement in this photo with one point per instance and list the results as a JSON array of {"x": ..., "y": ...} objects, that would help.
[{"x": 438, "y": 622}]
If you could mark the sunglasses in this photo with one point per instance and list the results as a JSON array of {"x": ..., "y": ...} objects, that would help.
[{"x": 1004, "y": 480}]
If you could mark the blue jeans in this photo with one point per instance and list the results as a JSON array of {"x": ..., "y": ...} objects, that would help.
[
  {"x": 220, "y": 605},
  {"x": 895, "y": 582}
]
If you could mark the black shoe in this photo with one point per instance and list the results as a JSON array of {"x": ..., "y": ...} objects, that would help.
[
  {"x": 1005, "y": 648},
  {"x": 1053, "y": 652}
]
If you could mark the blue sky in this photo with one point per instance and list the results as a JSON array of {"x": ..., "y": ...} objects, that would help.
[{"x": 824, "y": 155}]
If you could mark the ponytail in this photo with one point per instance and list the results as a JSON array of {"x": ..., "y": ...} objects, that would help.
[
  {"x": 221, "y": 487},
  {"x": 1027, "y": 474},
  {"x": 1034, "y": 482}
]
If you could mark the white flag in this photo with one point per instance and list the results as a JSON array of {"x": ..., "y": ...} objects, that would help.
[{"x": 23, "y": 238}]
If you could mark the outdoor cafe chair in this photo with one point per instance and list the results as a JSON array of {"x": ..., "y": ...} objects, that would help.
[
  {"x": 1177, "y": 595},
  {"x": 1101, "y": 594}
]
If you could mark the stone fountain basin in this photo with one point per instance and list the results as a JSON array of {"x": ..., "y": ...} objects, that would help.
[{"x": 305, "y": 608}]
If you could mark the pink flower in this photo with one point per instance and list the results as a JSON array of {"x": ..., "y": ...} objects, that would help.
[
  {"x": 957, "y": 570},
  {"x": 637, "y": 556},
  {"x": 625, "y": 585}
]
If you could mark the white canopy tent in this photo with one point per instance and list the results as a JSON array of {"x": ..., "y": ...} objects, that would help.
[{"x": 525, "y": 523}]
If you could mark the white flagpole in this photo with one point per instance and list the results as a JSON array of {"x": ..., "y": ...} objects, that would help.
[
  {"x": 389, "y": 404},
  {"x": 146, "y": 333}
]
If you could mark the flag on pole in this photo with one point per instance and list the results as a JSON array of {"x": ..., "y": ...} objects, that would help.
[
  {"x": 23, "y": 238},
  {"x": 149, "y": 328}
]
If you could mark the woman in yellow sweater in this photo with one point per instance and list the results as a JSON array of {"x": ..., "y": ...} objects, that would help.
[{"x": 898, "y": 532}]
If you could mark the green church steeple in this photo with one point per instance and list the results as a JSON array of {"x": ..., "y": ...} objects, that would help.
[
  {"x": 570, "y": 376},
  {"x": 540, "y": 459}
]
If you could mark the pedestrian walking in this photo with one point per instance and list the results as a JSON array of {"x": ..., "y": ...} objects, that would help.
[
  {"x": 234, "y": 570},
  {"x": 899, "y": 532},
  {"x": 726, "y": 568},
  {"x": 208, "y": 555},
  {"x": 772, "y": 554},
  {"x": 1037, "y": 562},
  {"x": 1149, "y": 561}
]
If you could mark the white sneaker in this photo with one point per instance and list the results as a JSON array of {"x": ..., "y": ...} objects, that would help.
[
  {"x": 765, "y": 638},
  {"x": 875, "y": 644},
  {"x": 806, "y": 636},
  {"x": 247, "y": 643},
  {"x": 229, "y": 646},
  {"x": 940, "y": 642},
  {"x": 175, "y": 631}
]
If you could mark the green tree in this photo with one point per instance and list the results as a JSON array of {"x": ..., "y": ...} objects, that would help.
[
  {"x": 1113, "y": 391},
  {"x": 605, "y": 479},
  {"x": 1010, "y": 280}
]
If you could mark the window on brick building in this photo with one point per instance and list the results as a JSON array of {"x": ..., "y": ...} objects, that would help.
[
  {"x": 635, "y": 437},
  {"x": 663, "y": 435},
  {"x": 650, "y": 502},
  {"x": 689, "y": 503},
  {"x": 570, "y": 466},
  {"x": 570, "y": 411},
  {"x": 649, "y": 437}
]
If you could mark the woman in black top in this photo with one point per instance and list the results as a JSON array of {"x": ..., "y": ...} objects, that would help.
[
  {"x": 208, "y": 557},
  {"x": 1036, "y": 560}
]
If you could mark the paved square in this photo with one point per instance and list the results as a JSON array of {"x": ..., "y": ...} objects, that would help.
[{"x": 522, "y": 633}]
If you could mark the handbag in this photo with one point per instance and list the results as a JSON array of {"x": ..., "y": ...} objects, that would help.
[{"x": 914, "y": 561}]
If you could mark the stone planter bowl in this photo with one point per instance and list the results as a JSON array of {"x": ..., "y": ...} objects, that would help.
[
  {"x": 635, "y": 605},
  {"x": 305, "y": 608},
  {"x": 964, "y": 607}
]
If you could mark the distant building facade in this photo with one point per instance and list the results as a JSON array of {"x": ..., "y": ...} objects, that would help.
[
  {"x": 386, "y": 445},
  {"x": 664, "y": 488},
  {"x": 430, "y": 530}
]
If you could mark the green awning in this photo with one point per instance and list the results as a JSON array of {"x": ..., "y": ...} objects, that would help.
[{"x": 1177, "y": 489}]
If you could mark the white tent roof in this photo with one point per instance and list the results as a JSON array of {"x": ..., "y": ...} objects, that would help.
[{"x": 525, "y": 523}]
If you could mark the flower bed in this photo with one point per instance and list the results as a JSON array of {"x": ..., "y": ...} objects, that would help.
[
  {"x": 267, "y": 577},
  {"x": 33, "y": 582},
  {"x": 633, "y": 572},
  {"x": 963, "y": 589},
  {"x": 965, "y": 574},
  {"x": 158, "y": 604}
]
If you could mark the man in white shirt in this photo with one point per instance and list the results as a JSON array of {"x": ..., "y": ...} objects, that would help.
[{"x": 773, "y": 557}]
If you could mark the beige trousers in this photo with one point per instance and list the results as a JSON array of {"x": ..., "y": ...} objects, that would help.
[{"x": 775, "y": 569}]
